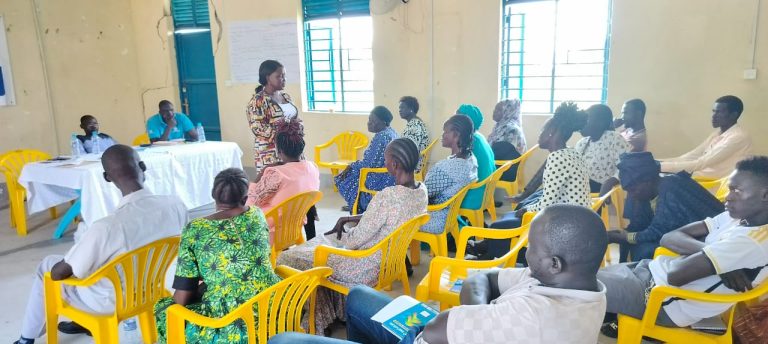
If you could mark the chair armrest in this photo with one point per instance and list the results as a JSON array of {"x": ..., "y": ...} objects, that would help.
[
  {"x": 179, "y": 313},
  {"x": 663, "y": 251},
  {"x": 458, "y": 267},
  {"x": 319, "y": 148},
  {"x": 322, "y": 252},
  {"x": 285, "y": 271},
  {"x": 486, "y": 233}
]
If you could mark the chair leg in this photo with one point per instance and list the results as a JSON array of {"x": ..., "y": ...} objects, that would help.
[
  {"x": 334, "y": 172},
  {"x": 618, "y": 203},
  {"x": 106, "y": 332},
  {"x": 148, "y": 329},
  {"x": 492, "y": 211},
  {"x": 629, "y": 331},
  {"x": 406, "y": 283},
  {"x": 442, "y": 245},
  {"x": 69, "y": 217},
  {"x": 20, "y": 215},
  {"x": 415, "y": 252}
]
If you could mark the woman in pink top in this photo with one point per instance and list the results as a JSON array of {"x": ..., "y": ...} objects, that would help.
[{"x": 287, "y": 178}]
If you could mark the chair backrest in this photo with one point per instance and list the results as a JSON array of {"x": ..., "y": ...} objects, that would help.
[
  {"x": 361, "y": 184},
  {"x": 11, "y": 164},
  {"x": 521, "y": 164},
  {"x": 722, "y": 191},
  {"x": 277, "y": 309},
  {"x": 348, "y": 143},
  {"x": 138, "y": 276},
  {"x": 394, "y": 247},
  {"x": 142, "y": 139},
  {"x": 454, "y": 205},
  {"x": 288, "y": 218},
  {"x": 599, "y": 201},
  {"x": 490, "y": 184},
  {"x": 424, "y": 159}
]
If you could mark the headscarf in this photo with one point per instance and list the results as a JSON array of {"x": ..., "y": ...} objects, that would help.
[
  {"x": 510, "y": 127},
  {"x": 473, "y": 113},
  {"x": 635, "y": 168}
]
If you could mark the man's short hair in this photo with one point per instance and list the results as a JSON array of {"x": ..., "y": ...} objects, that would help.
[
  {"x": 577, "y": 234},
  {"x": 733, "y": 103},
  {"x": 411, "y": 102},
  {"x": 86, "y": 118},
  {"x": 757, "y": 165},
  {"x": 164, "y": 102},
  {"x": 637, "y": 104}
]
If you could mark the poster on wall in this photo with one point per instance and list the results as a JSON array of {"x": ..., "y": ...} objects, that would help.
[
  {"x": 252, "y": 42},
  {"x": 6, "y": 82}
]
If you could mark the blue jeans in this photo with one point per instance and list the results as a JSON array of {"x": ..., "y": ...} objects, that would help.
[{"x": 362, "y": 303}]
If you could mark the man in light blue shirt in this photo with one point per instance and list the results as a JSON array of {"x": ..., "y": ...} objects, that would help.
[
  {"x": 90, "y": 125},
  {"x": 168, "y": 125}
]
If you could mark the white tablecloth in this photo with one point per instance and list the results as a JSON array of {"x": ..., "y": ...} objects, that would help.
[{"x": 185, "y": 170}]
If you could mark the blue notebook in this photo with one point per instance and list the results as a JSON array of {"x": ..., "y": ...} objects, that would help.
[{"x": 404, "y": 313}]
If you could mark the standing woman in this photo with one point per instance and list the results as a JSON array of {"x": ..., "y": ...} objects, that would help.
[
  {"x": 268, "y": 106},
  {"x": 415, "y": 129},
  {"x": 507, "y": 139}
]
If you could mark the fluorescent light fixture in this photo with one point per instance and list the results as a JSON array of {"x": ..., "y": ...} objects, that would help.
[{"x": 192, "y": 30}]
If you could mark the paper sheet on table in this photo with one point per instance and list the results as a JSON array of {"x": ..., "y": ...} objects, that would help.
[{"x": 397, "y": 306}]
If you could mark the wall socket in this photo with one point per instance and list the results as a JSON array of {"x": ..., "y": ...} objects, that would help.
[{"x": 750, "y": 74}]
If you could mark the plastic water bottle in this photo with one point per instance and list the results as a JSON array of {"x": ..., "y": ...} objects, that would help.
[
  {"x": 200, "y": 132},
  {"x": 130, "y": 333},
  {"x": 95, "y": 143},
  {"x": 75, "y": 146}
]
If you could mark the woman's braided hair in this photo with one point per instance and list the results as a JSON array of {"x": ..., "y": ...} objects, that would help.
[
  {"x": 290, "y": 138},
  {"x": 463, "y": 126},
  {"x": 230, "y": 187},
  {"x": 567, "y": 119},
  {"x": 405, "y": 152}
]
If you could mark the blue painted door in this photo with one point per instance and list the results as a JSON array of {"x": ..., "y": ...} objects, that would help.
[{"x": 197, "y": 80}]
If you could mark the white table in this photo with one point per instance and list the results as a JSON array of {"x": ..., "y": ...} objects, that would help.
[{"x": 185, "y": 170}]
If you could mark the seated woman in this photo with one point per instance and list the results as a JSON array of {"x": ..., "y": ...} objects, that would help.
[
  {"x": 288, "y": 178},
  {"x": 223, "y": 261},
  {"x": 388, "y": 209},
  {"x": 415, "y": 129},
  {"x": 507, "y": 139},
  {"x": 601, "y": 146},
  {"x": 347, "y": 180},
  {"x": 482, "y": 152},
  {"x": 90, "y": 125},
  {"x": 448, "y": 176},
  {"x": 565, "y": 177}
]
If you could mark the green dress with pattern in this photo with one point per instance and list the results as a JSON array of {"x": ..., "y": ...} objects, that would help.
[{"x": 232, "y": 257}]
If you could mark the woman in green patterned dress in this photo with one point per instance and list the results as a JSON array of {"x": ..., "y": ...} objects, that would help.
[{"x": 223, "y": 262}]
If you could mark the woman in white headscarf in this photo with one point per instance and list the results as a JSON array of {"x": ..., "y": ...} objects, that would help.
[{"x": 507, "y": 139}]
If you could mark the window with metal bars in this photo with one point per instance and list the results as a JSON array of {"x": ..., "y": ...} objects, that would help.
[
  {"x": 554, "y": 51},
  {"x": 338, "y": 37}
]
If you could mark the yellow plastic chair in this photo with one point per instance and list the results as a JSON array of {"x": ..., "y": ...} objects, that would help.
[
  {"x": 347, "y": 145},
  {"x": 142, "y": 139},
  {"x": 632, "y": 330},
  {"x": 393, "y": 250},
  {"x": 361, "y": 185},
  {"x": 275, "y": 310},
  {"x": 444, "y": 271},
  {"x": 439, "y": 242},
  {"x": 139, "y": 281},
  {"x": 11, "y": 164},
  {"x": 514, "y": 188},
  {"x": 424, "y": 158},
  {"x": 475, "y": 216},
  {"x": 288, "y": 219},
  {"x": 719, "y": 186}
]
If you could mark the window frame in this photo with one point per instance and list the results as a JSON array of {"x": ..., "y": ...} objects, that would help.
[{"x": 506, "y": 90}]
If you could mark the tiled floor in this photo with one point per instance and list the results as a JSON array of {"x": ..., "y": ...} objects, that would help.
[{"x": 19, "y": 256}]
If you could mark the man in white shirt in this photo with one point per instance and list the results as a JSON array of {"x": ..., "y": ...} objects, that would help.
[
  {"x": 139, "y": 219},
  {"x": 557, "y": 299},
  {"x": 716, "y": 157},
  {"x": 724, "y": 255}
]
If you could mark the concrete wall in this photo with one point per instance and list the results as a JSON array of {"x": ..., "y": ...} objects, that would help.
[{"x": 114, "y": 59}]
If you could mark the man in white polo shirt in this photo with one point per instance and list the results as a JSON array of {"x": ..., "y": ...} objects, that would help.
[
  {"x": 725, "y": 254},
  {"x": 557, "y": 299},
  {"x": 140, "y": 218}
]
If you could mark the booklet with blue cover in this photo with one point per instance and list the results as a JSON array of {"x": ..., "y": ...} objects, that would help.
[{"x": 402, "y": 314}]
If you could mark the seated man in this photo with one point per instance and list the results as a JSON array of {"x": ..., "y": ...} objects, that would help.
[
  {"x": 722, "y": 255},
  {"x": 556, "y": 300},
  {"x": 717, "y": 155},
  {"x": 633, "y": 121},
  {"x": 89, "y": 124},
  {"x": 168, "y": 125},
  {"x": 139, "y": 219},
  {"x": 657, "y": 205}
]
